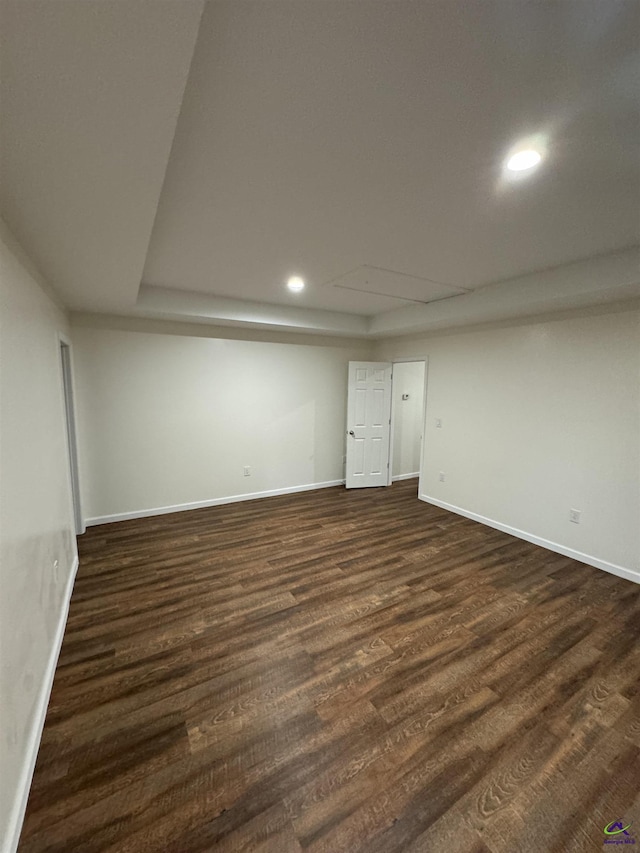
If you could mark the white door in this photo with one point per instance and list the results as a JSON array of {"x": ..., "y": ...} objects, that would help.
[{"x": 368, "y": 424}]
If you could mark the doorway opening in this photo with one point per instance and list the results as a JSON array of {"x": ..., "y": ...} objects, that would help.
[
  {"x": 69, "y": 410},
  {"x": 407, "y": 420}
]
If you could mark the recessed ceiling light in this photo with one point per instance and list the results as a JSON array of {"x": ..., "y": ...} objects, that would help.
[
  {"x": 295, "y": 283},
  {"x": 522, "y": 160}
]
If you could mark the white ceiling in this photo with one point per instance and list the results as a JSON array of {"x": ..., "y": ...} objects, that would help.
[
  {"x": 360, "y": 145},
  {"x": 90, "y": 96}
]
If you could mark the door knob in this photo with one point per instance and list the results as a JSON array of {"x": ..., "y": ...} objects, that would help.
[{"x": 351, "y": 432}]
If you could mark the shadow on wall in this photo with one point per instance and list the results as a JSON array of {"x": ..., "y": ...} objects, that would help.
[{"x": 291, "y": 443}]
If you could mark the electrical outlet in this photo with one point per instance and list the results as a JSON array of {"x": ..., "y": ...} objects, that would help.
[
  {"x": 247, "y": 470},
  {"x": 438, "y": 423},
  {"x": 441, "y": 476},
  {"x": 574, "y": 516}
]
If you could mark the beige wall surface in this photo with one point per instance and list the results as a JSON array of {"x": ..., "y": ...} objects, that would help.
[
  {"x": 167, "y": 420},
  {"x": 538, "y": 418},
  {"x": 37, "y": 537}
]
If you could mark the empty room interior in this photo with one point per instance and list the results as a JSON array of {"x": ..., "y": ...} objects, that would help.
[{"x": 319, "y": 426}]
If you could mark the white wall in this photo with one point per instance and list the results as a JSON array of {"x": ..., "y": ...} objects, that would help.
[
  {"x": 167, "y": 419},
  {"x": 408, "y": 378},
  {"x": 539, "y": 418},
  {"x": 36, "y": 522}
]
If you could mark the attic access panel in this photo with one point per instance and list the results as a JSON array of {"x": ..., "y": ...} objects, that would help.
[{"x": 397, "y": 285}]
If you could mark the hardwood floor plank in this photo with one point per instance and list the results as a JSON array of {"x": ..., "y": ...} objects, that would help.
[{"x": 337, "y": 671}]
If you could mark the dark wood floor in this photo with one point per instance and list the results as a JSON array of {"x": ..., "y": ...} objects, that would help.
[{"x": 338, "y": 671}]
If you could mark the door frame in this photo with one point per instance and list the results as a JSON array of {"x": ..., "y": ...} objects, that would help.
[
  {"x": 404, "y": 360},
  {"x": 65, "y": 355}
]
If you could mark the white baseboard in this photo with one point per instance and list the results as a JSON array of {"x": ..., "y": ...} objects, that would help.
[
  {"x": 250, "y": 496},
  {"x": 612, "y": 568},
  {"x": 16, "y": 817},
  {"x": 413, "y": 476}
]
